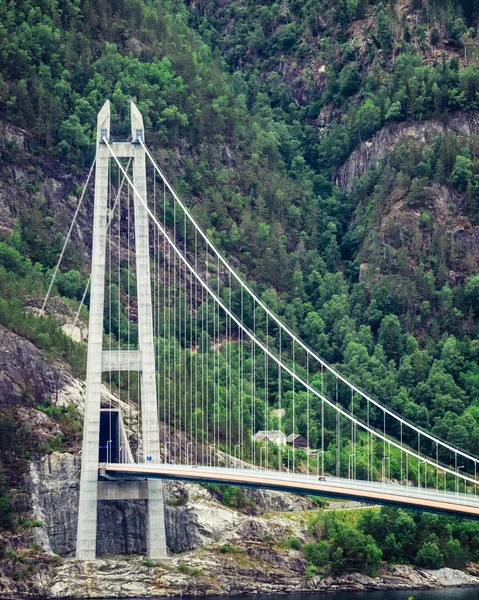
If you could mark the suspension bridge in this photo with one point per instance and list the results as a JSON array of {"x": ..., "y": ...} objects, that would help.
[{"x": 179, "y": 335}]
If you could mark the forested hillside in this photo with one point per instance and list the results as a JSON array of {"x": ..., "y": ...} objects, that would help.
[{"x": 254, "y": 109}]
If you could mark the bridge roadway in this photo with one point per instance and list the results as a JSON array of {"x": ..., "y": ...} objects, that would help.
[{"x": 412, "y": 497}]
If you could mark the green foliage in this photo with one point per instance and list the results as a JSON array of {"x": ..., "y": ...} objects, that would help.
[
  {"x": 29, "y": 523},
  {"x": 20, "y": 278},
  {"x": 16, "y": 443},
  {"x": 295, "y": 543},
  {"x": 44, "y": 332},
  {"x": 258, "y": 175},
  {"x": 349, "y": 80},
  {"x": 68, "y": 417},
  {"x": 6, "y": 516},
  {"x": 351, "y": 550},
  {"x": 180, "y": 501},
  {"x": 232, "y": 496},
  {"x": 462, "y": 174},
  {"x": 311, "y": 571},
  {"x": 149, "y": 563},
  {"x": 471, "y": 290},
  {"x": 318, "y": 553},
  {"x": 342, "y": 547},
  {"x": 368, "y": 119},
  {"x": 391, "y": 338},
  {"x": 55, "y": 443},
  {"x": 395, "y": 535},
  {"x": 319, "y": 502},
  {"x": 187, "y": 570},
  {"x": 429, "y": 556},
  {"x": 71, "y": 284},
  {"x": 229, "y": 549},
  {"x": 428, "y": 541}
]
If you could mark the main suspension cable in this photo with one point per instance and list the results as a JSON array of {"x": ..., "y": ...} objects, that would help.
[
  {"x": 290, "y": 332},
  {"x": 67, "y": 239},
  {"x": 257, "y": 341}
]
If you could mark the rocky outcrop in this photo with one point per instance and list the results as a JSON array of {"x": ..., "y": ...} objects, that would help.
[
  {"x": 200, "y": 522},
  {"x": 25, "y": 374},
  {"x": 267, "y": 500},
  {"x": 212, "y": 572},
  {"x": 398, "y": 577},
  {"x": 370, "y": 152},
  {"x": 193, "y": 518},
  {"x": 399, "y": 230},
  {"x": 54, "y": 485}
]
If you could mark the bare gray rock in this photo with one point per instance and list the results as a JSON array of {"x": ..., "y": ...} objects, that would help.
[
  {"x": 204, "y": 572},
  {"x": 370, "y": 152},
  {"x": 25, "y": 373}
]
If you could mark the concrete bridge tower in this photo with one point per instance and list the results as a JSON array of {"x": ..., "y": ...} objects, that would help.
[{"x": 99, "y": 360}]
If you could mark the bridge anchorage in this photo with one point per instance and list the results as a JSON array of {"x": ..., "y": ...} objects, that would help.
[{"x": 227, "y": 392}]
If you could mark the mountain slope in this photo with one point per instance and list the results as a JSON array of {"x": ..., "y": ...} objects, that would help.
[{"x": 329, "y": 148}]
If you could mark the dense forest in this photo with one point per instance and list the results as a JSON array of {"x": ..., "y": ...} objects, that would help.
[{"x": 253, "y": 107}]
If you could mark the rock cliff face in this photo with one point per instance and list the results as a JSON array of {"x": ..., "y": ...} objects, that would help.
[
  {"x": 29, "y": 182},
  {"x": 25, "y": 374},
  {"x": 200, "y": 521},
  {"x": 393, "y": 231},
  {"x": 211, "y": 572},
  {"x": 54, "y": 485},
  {"x": 369, "y": 153},
  {"x": 398, "y": 229}
]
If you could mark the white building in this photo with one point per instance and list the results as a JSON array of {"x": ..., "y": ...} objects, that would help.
[{"x": 271, "y": 435}]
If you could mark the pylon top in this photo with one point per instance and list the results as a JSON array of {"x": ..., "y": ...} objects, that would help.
[{"x": 103, "y": 123}]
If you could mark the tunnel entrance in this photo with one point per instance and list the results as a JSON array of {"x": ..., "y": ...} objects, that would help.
[{"x": 110, "y": 448}]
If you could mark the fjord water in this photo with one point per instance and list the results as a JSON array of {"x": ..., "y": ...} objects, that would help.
[
  {"x": 447, "y": 594},
  {"x": 471, "y": 593}
]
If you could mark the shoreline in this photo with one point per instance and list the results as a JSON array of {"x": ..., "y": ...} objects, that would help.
[{"x": 125, "y": 577}]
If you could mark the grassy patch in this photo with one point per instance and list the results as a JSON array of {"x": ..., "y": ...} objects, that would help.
[
  {"x": 187, "y": 570},
  {"x": 180, "y": 501},
  {"x": 29, "y": 523},
  {"x": 229, "y": 549}
]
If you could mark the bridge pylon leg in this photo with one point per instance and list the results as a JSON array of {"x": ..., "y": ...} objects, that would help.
[
  {"x": 144, "y": 359},
  {"x": 155, "y": 531},
  {"x": 87, "y": 510}
]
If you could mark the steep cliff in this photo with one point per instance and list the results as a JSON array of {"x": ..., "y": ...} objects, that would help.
[
  {"x": 413, "y": 223},
  {"x": 369, "y": 153}
]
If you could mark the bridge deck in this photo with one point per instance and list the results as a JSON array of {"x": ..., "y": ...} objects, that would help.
[{"x": 432, "y": 500}]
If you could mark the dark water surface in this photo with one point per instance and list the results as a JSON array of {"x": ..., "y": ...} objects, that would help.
[
  {"x": 471, "y": 593},
  {"x": 447, "y": 594}
]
